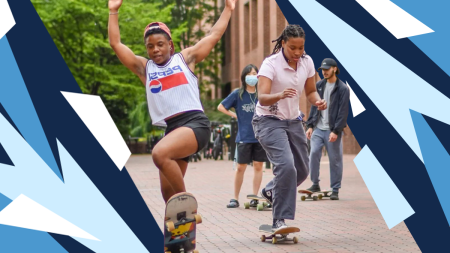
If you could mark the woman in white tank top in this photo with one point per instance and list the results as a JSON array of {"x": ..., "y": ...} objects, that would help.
[{"x": 172, "y": 92}]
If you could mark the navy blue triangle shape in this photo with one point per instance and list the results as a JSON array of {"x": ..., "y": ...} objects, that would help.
[
  {"x": 70, "y": 244},
  {"x": 4, "y": 158},
  {"x": 441, "y": 130}
]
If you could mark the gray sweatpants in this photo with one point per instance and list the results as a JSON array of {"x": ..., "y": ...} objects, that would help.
[
  {"x": 285, "y": 145},
  {"x": 319, "y": 139}
]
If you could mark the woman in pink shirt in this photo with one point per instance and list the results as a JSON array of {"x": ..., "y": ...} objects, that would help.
[{"x": 276, "y": 123}]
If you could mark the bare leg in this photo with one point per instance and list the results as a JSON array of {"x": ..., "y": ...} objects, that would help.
[
  {"x": 178, "y": 144},
  {"x": 166, "y": 188},
  {"x": 238, "y": 179},
  {"x": 257, "y": 178}
]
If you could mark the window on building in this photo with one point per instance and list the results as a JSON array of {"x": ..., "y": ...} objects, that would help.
[
  {"x": 226, "y": 90},
  {"x": 226, "y": 46},
  {"x": 281, "y": 21},
  {"x": 236, "y": 42},
  {"x": 254, "y": 6},
  {"x": 266, "y": 33},
  {"x": 247, "y": 27}
]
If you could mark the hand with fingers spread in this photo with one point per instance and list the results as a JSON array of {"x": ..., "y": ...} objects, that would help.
[
  {"x": 321, "y": 104},
  {"x": 288, "y": 93}
]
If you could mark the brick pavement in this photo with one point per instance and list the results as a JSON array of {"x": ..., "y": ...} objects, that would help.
[{"x": 352, "y": 224}]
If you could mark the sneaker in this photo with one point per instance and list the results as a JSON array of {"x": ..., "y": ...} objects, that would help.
[
  {"x": 334, "y": 196},
  {"x": 278, "y": 224},
  {"x": 267, "y": 195},
  {"x": 233, "y": 204},
  {"x": 253, "y": 203},
  {"x": 314, "y": 188}
]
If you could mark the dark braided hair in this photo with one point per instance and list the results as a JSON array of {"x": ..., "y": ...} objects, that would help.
[{"x": 291, "y": 31}]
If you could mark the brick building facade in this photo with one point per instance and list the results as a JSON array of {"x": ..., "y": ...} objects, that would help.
[{"x": 248, "y": 39}]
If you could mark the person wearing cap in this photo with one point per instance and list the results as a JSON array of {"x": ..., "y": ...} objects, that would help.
[
  {"x": 325, "y": 127},
  {"x": 172, "y": 91}
]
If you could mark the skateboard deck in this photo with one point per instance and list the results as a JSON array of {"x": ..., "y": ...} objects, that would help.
[
  {"x": 181, "y": 220},
  {"x": 262, "y": 203},
  {"x": 307, "y": 195},
  {"x": 278, "y": 235}
]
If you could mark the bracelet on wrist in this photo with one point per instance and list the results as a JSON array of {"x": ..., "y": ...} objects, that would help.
[{"x": 113, "y": 13}]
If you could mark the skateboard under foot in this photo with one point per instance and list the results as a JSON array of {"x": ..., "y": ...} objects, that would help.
[
  {"x": 280, "y": 235},
  {"x": 262, "y": 203},
  {"x": 308, "y": 195},
  {"x": 181, "y": 220}
]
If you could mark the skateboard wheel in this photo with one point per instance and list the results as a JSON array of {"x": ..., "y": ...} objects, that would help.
[
  {"x": 170, "y": 226},
  {"x": 274, "y": 240},
  {"x": 259, "y": 207},
  {"x": 195, "y": 251},
  {"x": 303, "y": 198},
  {"x": 265, "y": 204},
  {"x": 263, "y": 238},
  {"x": 198, "y": 219},
  {"x": 295, "y": 239},
  {"x": 320, "y": 196},
  {"x": 314, "y": 198},
  {"x": 246, "y": 205}
]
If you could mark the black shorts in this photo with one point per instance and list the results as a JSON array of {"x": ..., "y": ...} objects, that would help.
[
  {"x": 248, "y": 152},
  {"x": 195, "y": 120}
]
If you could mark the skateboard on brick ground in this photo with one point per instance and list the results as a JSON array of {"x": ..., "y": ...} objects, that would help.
[
  {"x": 278, "y": 235},
  {"x": 308, "y": 195},
  {"x": 324, "y": 194},
  {"x": 262, "y": 203},
  {"x": 181, "y": 220}
]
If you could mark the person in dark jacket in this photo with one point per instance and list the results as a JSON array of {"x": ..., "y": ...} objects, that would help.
[{"x": 325, "y": 127}]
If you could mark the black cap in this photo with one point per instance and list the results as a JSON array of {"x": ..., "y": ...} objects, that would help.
[{"x": 328, "y": 63}]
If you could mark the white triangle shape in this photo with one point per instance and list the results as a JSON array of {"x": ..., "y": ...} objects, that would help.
[
  {"x": 6, "y": 18},
  {"x": 357, "y": 106},
  {"x": 95, "y": 116},
  {"x": 396, "y": 20},
  {"x": 24, "y": 212}
]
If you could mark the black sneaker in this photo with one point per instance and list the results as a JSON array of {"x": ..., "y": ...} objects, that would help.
[
  {"x": 278, "y": 224},
  {"x": 267, "y": 195},
  {"x": 253, "y": 203},
  {"x": 334, "y": 196},
  {"x": 314, "y": 188}
]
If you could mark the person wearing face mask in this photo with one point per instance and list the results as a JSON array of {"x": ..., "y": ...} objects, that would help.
[{"x": 243, "y": 100}]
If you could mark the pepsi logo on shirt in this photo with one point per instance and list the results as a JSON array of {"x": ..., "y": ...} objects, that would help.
[{"x": 161, "y": 81}]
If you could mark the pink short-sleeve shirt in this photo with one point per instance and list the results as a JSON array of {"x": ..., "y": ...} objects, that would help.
[{"x": 283, "y": 76}]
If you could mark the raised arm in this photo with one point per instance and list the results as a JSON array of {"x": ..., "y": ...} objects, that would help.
[
  {"x": 201, "y": 50},
  {"x": 133, "y": 62}
]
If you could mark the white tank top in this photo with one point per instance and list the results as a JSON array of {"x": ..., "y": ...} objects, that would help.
[{"x": 171, "y": 89}]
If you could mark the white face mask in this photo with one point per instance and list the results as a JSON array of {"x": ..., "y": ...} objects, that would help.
[{"x": 251, "y": 80}]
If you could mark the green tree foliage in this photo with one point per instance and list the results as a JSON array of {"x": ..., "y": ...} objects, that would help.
[
  {"x": 79, "y": 29},
  {"x": 198, "y": 15}
]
